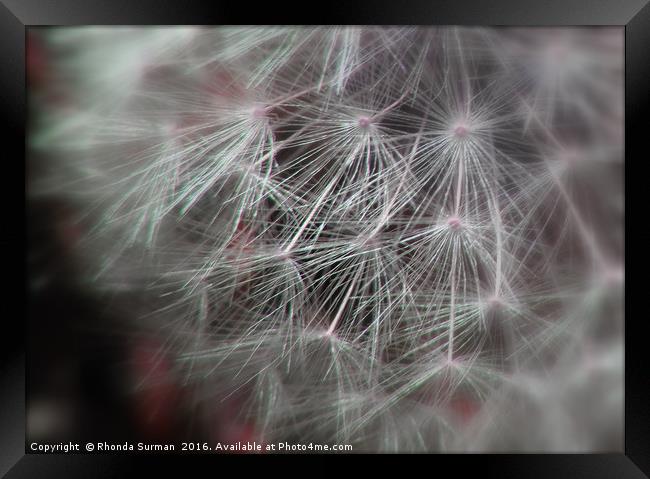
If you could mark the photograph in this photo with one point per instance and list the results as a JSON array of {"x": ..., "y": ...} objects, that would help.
[
  {"x": 325, "y": 239},
  {"x": 395, "y": 232}
]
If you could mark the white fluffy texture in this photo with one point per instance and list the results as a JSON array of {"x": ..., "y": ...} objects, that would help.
[{"x": 399, "y": 238}]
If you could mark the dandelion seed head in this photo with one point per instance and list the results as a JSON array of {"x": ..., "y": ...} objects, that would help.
[{"x": 369, "y": 235}]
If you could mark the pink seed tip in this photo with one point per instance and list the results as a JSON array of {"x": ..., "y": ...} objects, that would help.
[
  {"x": 364, "y": 121},
  {"x": 259, "y": 112},
  {"x": 461, "y": 131},
  {"x": 494, "y": 302},
  {"x": 454, "y": 222}
]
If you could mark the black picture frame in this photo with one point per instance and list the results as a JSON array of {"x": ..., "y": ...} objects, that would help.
[{"x": 17, "y": 15}]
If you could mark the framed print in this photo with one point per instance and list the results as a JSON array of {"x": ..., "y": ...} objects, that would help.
[{"x": 396, "y": 232}]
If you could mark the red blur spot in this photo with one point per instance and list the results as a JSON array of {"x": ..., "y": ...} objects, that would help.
[
  {"x": 157, "y": 394},
  {"x": 35, "y": 61},
  {"x": 464, "y": 408}
]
